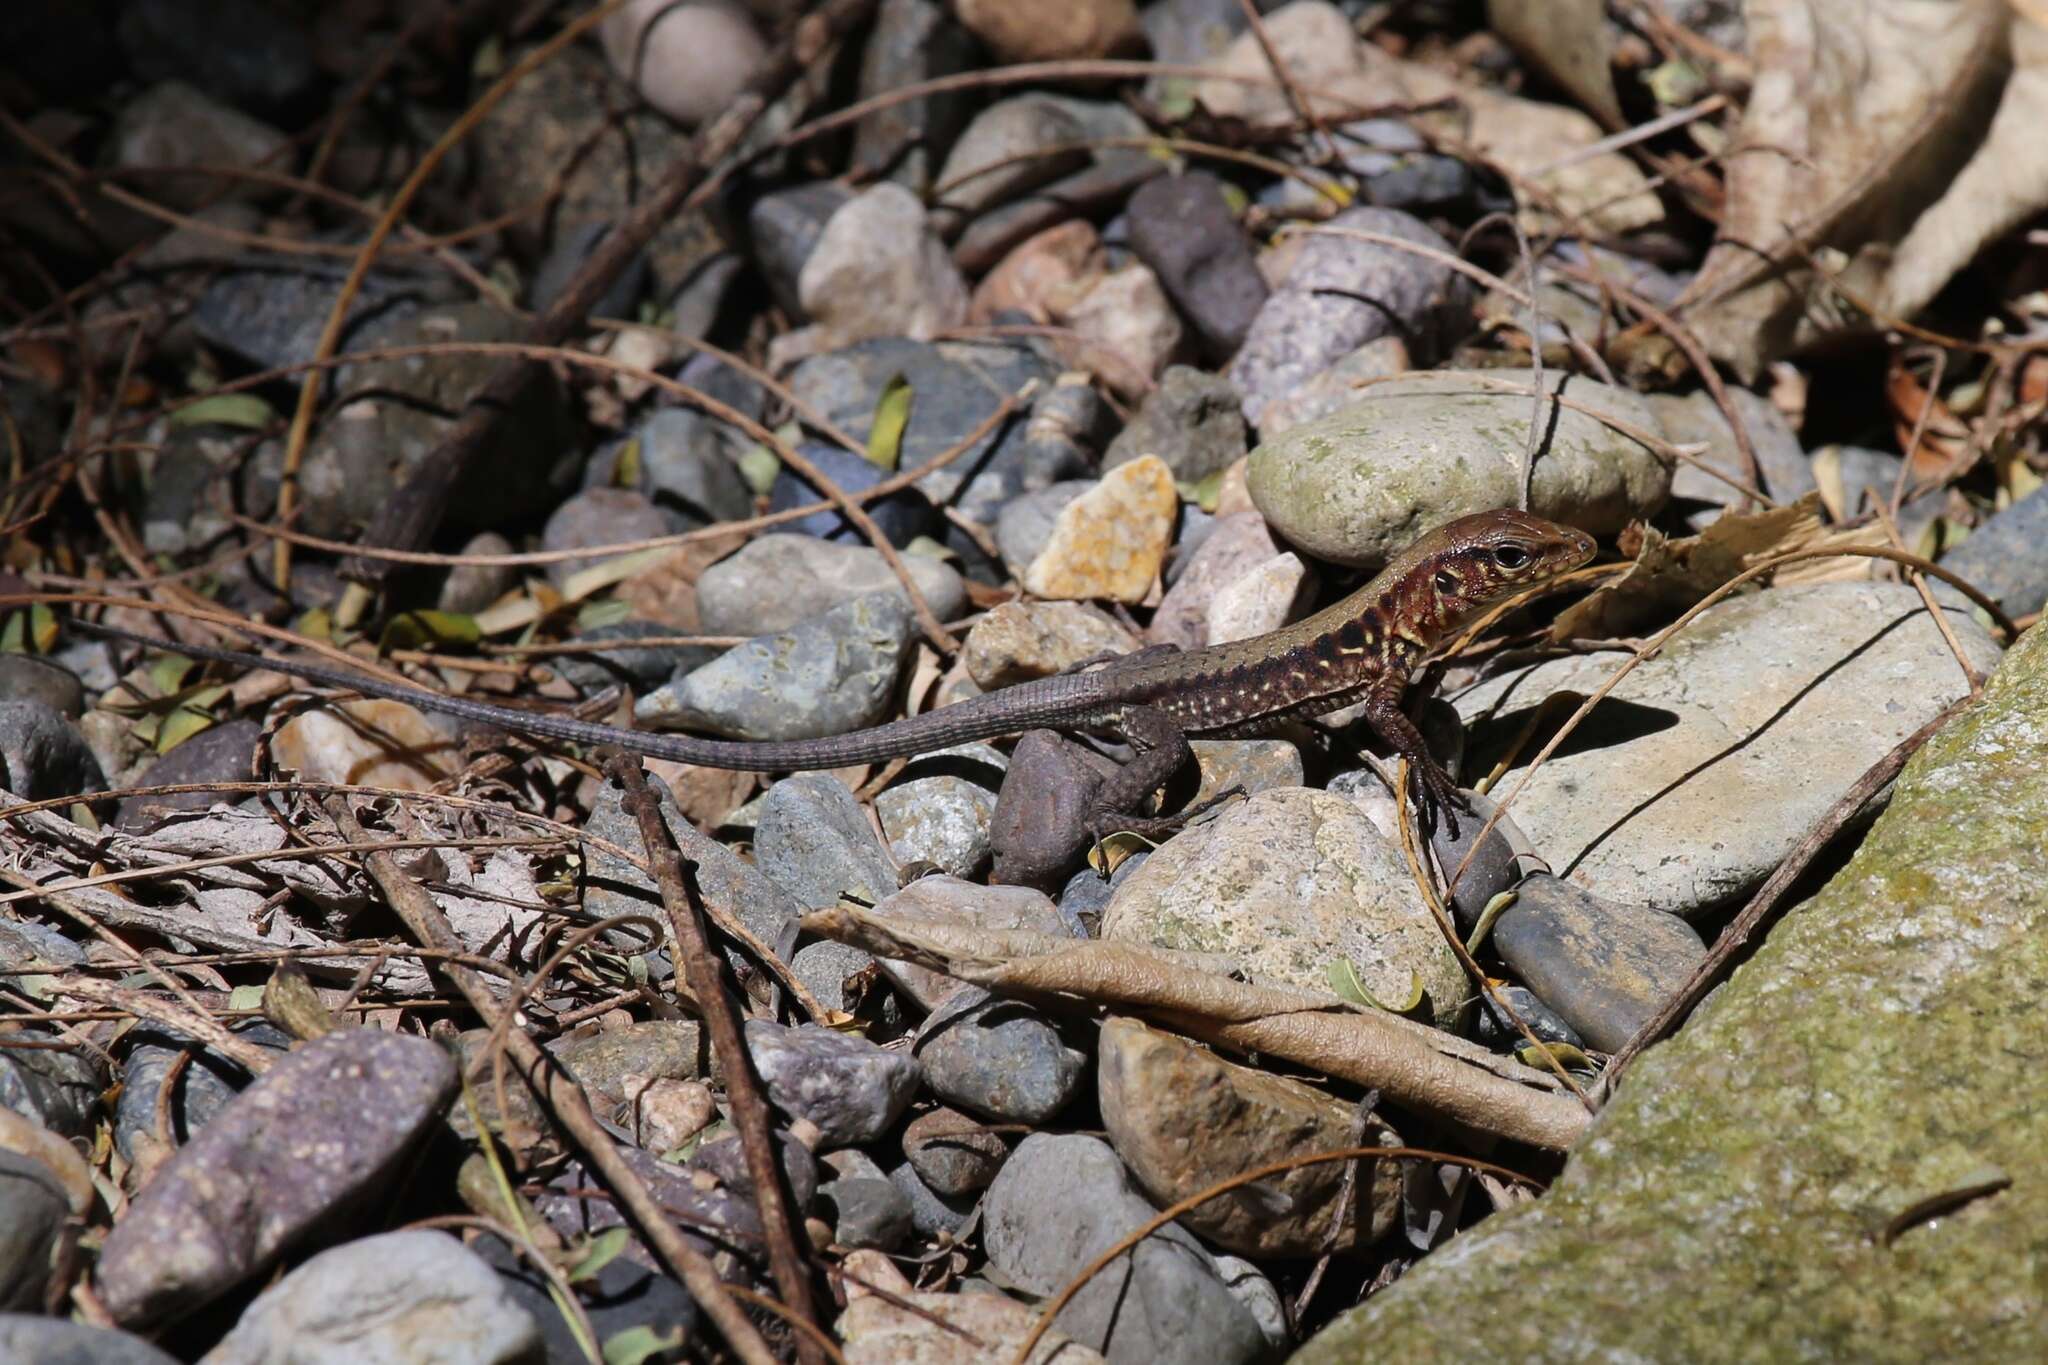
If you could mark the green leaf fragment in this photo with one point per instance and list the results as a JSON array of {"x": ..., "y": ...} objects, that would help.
[
  {"x": 892, "y": 415},
  {"x": 758, "y": 466},
  {"x": 600, "y": 1252},
  {"x": 244, "y": 410},
  {"x": 638, "y": 1344},
  {"x": 1346, "y": 982},
  {"x": 418, "y": 629}
]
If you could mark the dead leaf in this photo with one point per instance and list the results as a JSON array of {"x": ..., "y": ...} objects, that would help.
[
  {"x": 1670, "y": 575},
  {"x": 1571, "y": 41},
  {"x": 1866, "y": 133}
]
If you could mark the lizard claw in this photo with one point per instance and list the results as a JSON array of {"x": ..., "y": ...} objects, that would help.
[{"x": 1438, "y": 795}]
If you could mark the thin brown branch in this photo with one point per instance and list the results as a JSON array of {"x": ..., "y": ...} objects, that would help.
[
  {"x": 701, "y": 969},
  {"x": 564, "y": 1097}
]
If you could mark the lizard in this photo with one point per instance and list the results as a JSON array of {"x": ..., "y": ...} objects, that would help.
[{"x": 1364, "y": 648}]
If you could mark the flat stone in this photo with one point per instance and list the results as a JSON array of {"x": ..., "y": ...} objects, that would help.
[
  {"x": 1493, "y": 1026},
  {"x": 1025, "y": 526},
  {"x": 1058, "y": 30},
  {"x": 952, "y": 1152},
  {"x": 1183, "y": 227},
  {"x": 1336, "y": 387},
  {"x": 601, "y": 516},
  {"x": 1784, "y": 471},
  {"x": 1879, "y": 1040},
  {"x": 171, "y": 124},
  {"x": 852, "y": 1089},
  {"x": 1060, "y": 1202},
  {"x": 33, "y": 1210},
  {"x": 879, "y": 270},
  {"x": 995, "y": 157},
  {"x": 689, "y": 61},
  {"x": 926, "y": 1328},
  {"x": 913, "y": 41},
  {"x": 947, "y": 900},
  {"x": 1605, "y": 967},
  {"x": 1020, "y": 641},
  {"x": 205, "y": 1083},
  {"x": 326, "y": 1128},
  {"x": 868, "y": 1213},
  {"x": 1124, "y": 329},
  {"x": 1256, "y": 765},
  {"x": 826, "y": 675},
  {"x": 1699, "y": 772},
  {"x": 955, "y": 387},
  {"x": 777, "y": 580},
  {"x": 1045, "y": 808},
  {"x": 997, "y": 1058},
  {"x": 2006, "y": 556},
  {"x": 400, "y": 1296},
  {"x": 943, "y": 812},
  {"x": 1111, "y": 541},
  {"x": 932, "y": 1214},
  {"x": 1193, "y": 420},
  {"x": 42, "y": 754},
  {"x": 1264, "y": 599},
  {"x": 34, "y": 1339},
  {"x": 1286, "y": 884},
  {"x": 1361, "y": 485},
  {"x": 30, "y": 677},
  {"x": 814, "y": 841},
  {"x": 1237, "y": 545},
  {"x": 1184, "y": 1119},
  {"x": 1342, "y": 293},
  {"x": 1106, "y": 179},
  {"x": 614, "y": 886},
  {"x": 1040, "y": 274}
]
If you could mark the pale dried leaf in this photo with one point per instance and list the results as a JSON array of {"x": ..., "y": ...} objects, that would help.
[
  {"x": 1858, "y": 120},
  {"x": 1670, "y": 575}
]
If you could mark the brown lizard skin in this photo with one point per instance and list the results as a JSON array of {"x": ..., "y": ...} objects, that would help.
[{"x": 1364, "y": 648}]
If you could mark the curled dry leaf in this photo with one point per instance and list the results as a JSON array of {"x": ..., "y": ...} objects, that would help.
[
  {"x": 1899, "y": 134},
  {"x": 1670, "y": 575}
]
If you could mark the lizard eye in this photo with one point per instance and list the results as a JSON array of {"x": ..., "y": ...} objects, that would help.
[
  {"x": 1511, "y": 557},
  {"x": 1446, "y": 581}
]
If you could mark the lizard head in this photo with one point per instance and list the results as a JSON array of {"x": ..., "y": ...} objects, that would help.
[{"x": 1478, "y": 560}]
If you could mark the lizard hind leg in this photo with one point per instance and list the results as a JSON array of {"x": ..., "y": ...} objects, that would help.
[{"x": 1161, "y": 751}]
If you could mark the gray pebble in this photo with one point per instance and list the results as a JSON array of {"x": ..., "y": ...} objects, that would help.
[
  {"x": 1194, "y": 421},
  {"x": 850, "y": 1088},
  {"x": 868, "y": 1213},
  {"x": 998, "y": 1058},
  {"x": 1060, "y": 1202},
  {"x": 1603, "y": 965},
  {"x": 42, "y": 754},
  {"x": 826, "y": 675}
]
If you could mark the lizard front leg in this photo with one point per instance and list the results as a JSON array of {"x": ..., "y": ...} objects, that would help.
[{"x": 1383, "y": 712}]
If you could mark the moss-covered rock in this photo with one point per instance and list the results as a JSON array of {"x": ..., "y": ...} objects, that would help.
[{"x": 1751, "y": 1192}]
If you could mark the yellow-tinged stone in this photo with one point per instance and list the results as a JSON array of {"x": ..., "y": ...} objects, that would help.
[
  {"x": 1110, "y": 541},
  {"x": 370, "y": 742}
]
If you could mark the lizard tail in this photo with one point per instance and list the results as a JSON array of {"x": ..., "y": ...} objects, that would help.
[{"x": 1058, "y": 701}]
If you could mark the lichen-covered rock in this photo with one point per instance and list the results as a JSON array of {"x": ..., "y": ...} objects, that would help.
[
  {"x": 1287, "y": 883},
  {"x": 1362, "y": 484},
  {"x": 1760, "y": 1187}
]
